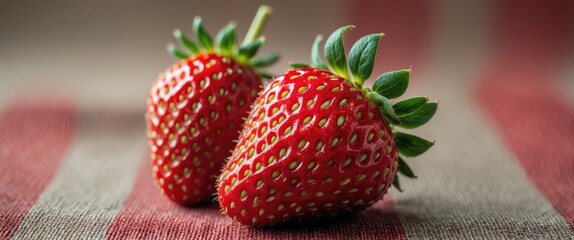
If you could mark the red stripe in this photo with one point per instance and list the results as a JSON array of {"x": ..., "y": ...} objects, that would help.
[
  {"x": 532, "y": 32},
  {"x": 149, "y": 215},
  {"x": 33, "y": 141},
  {"x": 407, "y": 26},
  {"x": 530, "y": 39}
]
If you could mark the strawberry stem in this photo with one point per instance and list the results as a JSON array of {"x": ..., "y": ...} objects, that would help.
[{"x": 258, "y": 24}]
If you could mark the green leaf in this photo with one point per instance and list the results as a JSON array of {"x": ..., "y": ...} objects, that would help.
[
  {"x": 265, "y": 61},
  {"x": 409, "y": 105},
  {"x": 411, "y": 145},
  {"x": 335, "y": 52},
  {"x": 385, "y": 106},
  {"x": 202, "y": 34},
  {"x": 296, "y": 65},
  {"x": 265, "y": 75},
  {"x": 405, "y": 169},
  {"x": 175, "y": 52},
  {"x": 225, "y": 39},
  {"x": 247, "y": 51},
  {"x": 392, "y": 84},
  {"x": 362, "y": 57},
  {"x": 316, "y": 55},
  {"x": 418, "y": 117},
  {"x": 396, "y": 183},
  {"x": 191, "y": 46}
]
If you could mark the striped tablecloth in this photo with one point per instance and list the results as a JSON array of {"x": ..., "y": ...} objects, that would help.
[{"x": 502, "y": 167}]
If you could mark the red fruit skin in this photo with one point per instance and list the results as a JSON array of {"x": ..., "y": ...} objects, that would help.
[
  {"x": 308, "y": 180},
  {"x": 194, "y": 110}
]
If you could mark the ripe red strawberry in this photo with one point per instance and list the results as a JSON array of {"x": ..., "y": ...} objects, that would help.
[
  {"x": 319, "y": 143},
  {"x": 195, "y": 108}
]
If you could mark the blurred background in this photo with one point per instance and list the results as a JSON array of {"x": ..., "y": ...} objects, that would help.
[{"x": 111, "y": 51}]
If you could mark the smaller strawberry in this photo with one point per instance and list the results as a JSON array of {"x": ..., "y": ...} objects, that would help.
[
  {"x": 195, "y": 108},
  {"x": 319, "y": 143}
]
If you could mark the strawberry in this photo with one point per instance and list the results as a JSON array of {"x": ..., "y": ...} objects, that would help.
[
  {"x": 195, "y": 107},
  {"x": 319, "y": 143}
]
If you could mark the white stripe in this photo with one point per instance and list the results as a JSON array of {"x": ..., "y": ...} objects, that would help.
[
  {"x": 90, "y": 187},
  {"x": 469, "y": 186}
]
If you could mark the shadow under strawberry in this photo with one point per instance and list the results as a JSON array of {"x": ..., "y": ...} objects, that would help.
[{"x": 379, "y": 221}]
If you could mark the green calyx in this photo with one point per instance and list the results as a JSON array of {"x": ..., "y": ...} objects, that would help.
[
  {"x": 408, "y": 113},
  {"x": 225, "y": 42}
]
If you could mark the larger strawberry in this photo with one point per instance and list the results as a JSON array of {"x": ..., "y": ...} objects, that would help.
[
  {"x": 319, "y": 143},
  {"x": 195, "y": 108}
]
